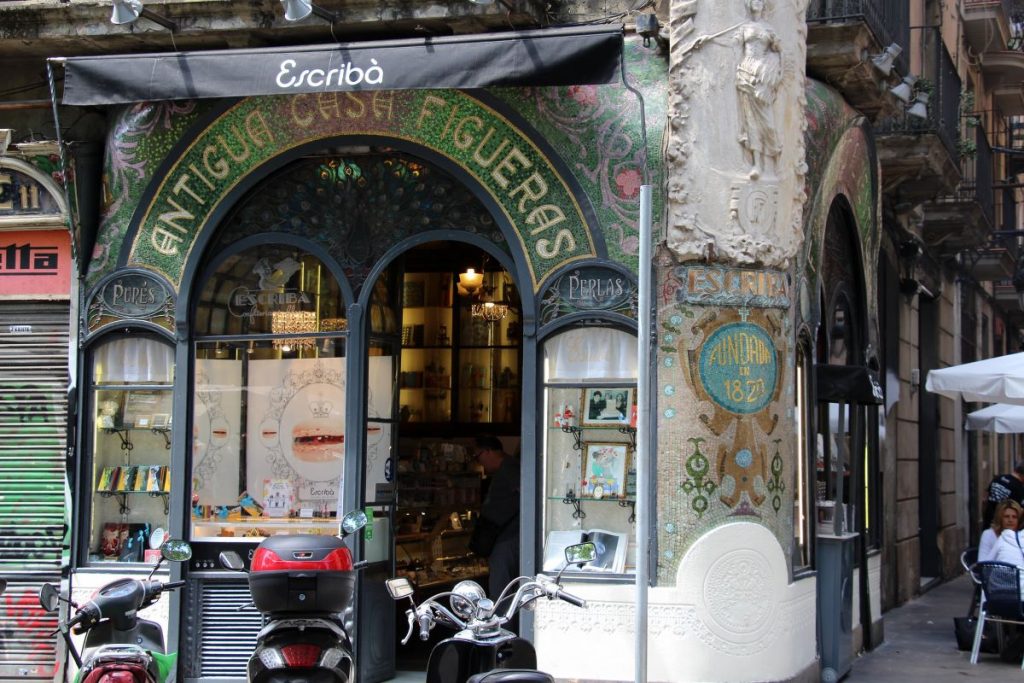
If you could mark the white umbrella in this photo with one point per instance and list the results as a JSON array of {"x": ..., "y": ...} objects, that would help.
[
  {"x": 1000, "y": 418},
  {"x": 993, "y": 380}
]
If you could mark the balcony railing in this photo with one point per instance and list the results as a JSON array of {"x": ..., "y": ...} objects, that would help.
[
  {"x": 888, "y": 20},
  {"x": 977, "y": 172},
  {"x": 943, "y": 118}
]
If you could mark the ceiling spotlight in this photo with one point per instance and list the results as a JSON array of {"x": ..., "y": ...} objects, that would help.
[
  {"x": 884, "y": 60},
  {"x": 297, "y": 10},
  {"x": 128, "y": 11},
  {"x": 905, "y": 89},
  {"x": 919, "y": 109}
]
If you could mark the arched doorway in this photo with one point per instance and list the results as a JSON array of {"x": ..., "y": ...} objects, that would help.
[{"x": 336, "y": 365}]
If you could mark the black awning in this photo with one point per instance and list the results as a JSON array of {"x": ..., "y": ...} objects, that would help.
[
  {"x": 847, "y": 384},
  {"x": 561, "y": 56}
]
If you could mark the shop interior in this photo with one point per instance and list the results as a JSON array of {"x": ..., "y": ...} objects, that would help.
[{"x": 459, "y": 377}]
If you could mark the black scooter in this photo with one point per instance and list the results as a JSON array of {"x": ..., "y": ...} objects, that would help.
[
  {"x": 119, "y": 645},
  {"x": 482, "y": 651},
  {"x": 305, "y": 585}
]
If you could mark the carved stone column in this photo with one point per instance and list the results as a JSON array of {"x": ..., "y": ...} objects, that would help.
[{"x": 726, "y": 438}]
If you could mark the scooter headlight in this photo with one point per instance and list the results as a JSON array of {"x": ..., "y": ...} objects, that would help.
[{"x": 465, "y": 596}]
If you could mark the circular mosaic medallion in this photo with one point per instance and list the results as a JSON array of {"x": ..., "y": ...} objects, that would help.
[{"x": 738, "y": 367}]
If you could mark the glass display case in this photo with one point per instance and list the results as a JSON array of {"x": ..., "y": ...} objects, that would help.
[
  {"x": 439, "y": 490},
  {"x": 131, "y": 421},
  {"x": 589, "y": 441}
]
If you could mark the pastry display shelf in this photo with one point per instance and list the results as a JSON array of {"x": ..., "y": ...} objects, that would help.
[{"x": 208, "y": 529}]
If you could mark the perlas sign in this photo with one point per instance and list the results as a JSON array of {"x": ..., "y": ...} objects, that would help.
[{"x": 534, "y": 197}]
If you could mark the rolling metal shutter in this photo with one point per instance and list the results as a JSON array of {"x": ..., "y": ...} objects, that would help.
[{"x": 33, "y": 513}]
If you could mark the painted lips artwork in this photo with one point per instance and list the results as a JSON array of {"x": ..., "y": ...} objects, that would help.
[
  {"x": 297, "y": 409},
  {"x": 295, "y": 423}
]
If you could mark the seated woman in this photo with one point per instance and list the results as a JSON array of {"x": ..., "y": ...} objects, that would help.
[{"x": 1007, "y": 516}]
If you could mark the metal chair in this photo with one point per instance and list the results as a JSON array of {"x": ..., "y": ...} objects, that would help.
[
  {"x": 969, "y": 561},
  {"x": 1000, "y": 599}
]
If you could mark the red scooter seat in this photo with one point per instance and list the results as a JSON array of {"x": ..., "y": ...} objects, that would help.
[
  {"x": 511, "y": 676},
  {"x": 118, "y": 673}
]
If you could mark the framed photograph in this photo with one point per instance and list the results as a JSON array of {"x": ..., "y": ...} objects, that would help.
[
  {"x": 604, "y": 470},
  {"x": 606, "y": 407},
  {"x": 140, "y": 406}
]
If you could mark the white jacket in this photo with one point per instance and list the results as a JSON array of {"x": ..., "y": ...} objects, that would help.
[
  {"x": 987, "y": 545},
  {"x": 1008, "y": 551}
]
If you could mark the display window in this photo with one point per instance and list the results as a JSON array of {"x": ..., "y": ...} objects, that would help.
[
  {"x": 269, "y": 394},
  {"x": 130, "y": 423},
  {"x": 589, "y": 444}
]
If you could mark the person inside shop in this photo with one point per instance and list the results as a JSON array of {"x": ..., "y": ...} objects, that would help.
[
  {"x": 1004, "y": 487},
  {"x": 496, "y": 533},
  {"x": 1007, "y": 516}
]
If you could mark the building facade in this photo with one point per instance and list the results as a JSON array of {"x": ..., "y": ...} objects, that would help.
[{"x": 278, "y": 315}]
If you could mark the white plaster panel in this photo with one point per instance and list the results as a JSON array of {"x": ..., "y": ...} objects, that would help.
[
  {"x": 735, "y": 154},
  {"x": 733, "y": 616}
]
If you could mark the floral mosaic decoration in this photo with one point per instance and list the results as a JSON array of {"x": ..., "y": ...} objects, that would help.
[{"x": 140, "y": 139}]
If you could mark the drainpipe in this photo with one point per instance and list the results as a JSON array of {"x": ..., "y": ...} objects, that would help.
[{"x": 643, "y": 417}]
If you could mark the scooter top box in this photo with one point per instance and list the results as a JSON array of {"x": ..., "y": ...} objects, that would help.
[{"x": 302, "y": 573}]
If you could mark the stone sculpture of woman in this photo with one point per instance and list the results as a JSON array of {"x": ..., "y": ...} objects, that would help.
[{"x": 757, "y": 80}]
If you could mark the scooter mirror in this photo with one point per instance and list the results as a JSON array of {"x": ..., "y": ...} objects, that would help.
[
  {"x": 353, "y": 522},
  {"x": 176, "y": 550},
  {"x": 229, "y": 559},
  {"x": 399, "y": 588},
  {"x": 581, "y": 553},
  {"x": 49, "y": 598}
]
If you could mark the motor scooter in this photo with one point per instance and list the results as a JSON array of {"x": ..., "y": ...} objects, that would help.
[
  {"x": 120, "y": 647},
  {"x": 482, "y": 651},
  {"x": 304, "y": 584}
]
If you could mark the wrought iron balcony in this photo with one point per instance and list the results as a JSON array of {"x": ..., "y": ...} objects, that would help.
[
  {"x": 920, "y": 156},
  {"x": 964, "y": 218},
  {"x": 843, "y": 36},
  {"x": 987, "y": 24}
]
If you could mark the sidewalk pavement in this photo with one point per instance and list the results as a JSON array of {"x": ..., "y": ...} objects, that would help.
[{"x": 920, "y": 646}]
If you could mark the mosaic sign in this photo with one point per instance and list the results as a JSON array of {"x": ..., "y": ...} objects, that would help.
[
  {"x": 714, "y": 285},
  {"x": 535, "y": 199},
  {"x": 589, "y": 288},
  {"x": 738, "y": 367},
  {"x": 131, "y": 296}
]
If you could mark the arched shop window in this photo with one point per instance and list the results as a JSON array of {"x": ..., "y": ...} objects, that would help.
[
  {"x": 128, "y": 435},
  {"x": 268, "y": 407},
  {"x": 589, "y": 477}
]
